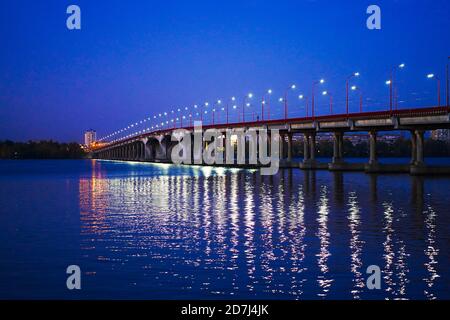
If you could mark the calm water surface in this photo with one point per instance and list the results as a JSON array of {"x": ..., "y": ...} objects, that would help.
[{"x": 147, "y": 231}]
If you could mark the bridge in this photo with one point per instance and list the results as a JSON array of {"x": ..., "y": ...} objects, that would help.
[{"x": 156, "y": 145}]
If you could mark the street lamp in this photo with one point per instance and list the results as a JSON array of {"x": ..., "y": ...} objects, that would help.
[
  {"x": 245, "y": 103},
  {"x": 447, "y": 80},
  {"x": 324, "y": 93},
  {"x": 355, "y": 74},
  {"x": 391, "y": 83},
  {"x": 292, "y": 87},
  {"x": 431, "y": 76},
  {"x": 303, "y": 97},
  {"x": 266, "y": 102},
  {"x": 355, "y": 88},
  {"x": 321, "y": 81},
  {"x": 233, "y": 99}
]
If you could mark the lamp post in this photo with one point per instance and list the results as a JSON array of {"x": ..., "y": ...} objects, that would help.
[
  {"x": 355, "y": 74},
  {"x": 292, "y": 87},
  {"x": 233, "y": 99},
  {"x": 331, "y": 100},
  {"x": 266, "y": 102},
  {"x": 303, "y": 97},
  {"x": 431, "y": 76},
  {"x": 447, "y": 80},
  {"x": 355, "y": 88},
  {"x": 244, "y": 104},
  {"x": 312, "y": 96},
  {"x": 391, "y": 83}
]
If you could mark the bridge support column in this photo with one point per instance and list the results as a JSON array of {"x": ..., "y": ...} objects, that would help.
[
  {"x": 142, "y": 150},
  {"x": 289, "y": 147},
  {"x": 309, "y": 152},
  {"x": 282, "y": 146},
  {"x": 312, "y": 145},
  {"x": 305, "y": 148},
  {"x": 338, "y": 147},
  {"x": 419, "y": 147},
  {"x": 413, "y": 148},
  {"x": 373, "y": 148}
]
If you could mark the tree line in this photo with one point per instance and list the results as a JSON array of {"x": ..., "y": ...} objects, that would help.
[{"x": 46, "y": 149}]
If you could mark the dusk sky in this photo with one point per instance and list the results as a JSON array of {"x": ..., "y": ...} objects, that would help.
[{"x": 133, "y": 59}]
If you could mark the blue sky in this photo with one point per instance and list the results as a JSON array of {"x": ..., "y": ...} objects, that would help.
[{"x": 134, "y": 59}]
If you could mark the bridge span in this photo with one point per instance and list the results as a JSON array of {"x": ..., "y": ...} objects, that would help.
[{"x": 156, "y": 146}]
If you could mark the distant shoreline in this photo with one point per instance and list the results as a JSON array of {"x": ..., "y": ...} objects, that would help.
[{"x": 40, "y": 150}]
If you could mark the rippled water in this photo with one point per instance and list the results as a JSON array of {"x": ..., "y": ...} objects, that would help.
[{"x": 166, "y": 232}]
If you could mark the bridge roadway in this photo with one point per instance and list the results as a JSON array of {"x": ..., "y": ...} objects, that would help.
[{"x": 156, "y": 146}]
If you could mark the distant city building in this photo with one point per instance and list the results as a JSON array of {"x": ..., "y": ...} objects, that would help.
[
  {"x": 441, "y": 134},
  {"x": 90, "y": 137}
]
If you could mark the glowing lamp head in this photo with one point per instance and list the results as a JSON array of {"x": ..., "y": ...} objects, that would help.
[
  {"x": 322, "y": 81},
  {"x": 388, "y": 82},
  {"x": 293, "y": 86},
  {"x": 354, "y": 88},
  {"x": 250, "y": 95},
  {"x": 430, "y": 76},
  {"x": 269, "y": 91},
  {"x": 324, "y": 93},
  {"x": 301, "y": 96},
  {"x": 281, "y": 99},
  {"x": 356, "y": 74},
  {"x": 402, "y": 65},
  {"x": 233, "y": 98}
]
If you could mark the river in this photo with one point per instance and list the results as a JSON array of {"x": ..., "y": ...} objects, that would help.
[{"x": 148, "y": 231}]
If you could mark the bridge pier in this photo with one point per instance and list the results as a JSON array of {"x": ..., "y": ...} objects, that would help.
[
  {"x": 373, "y": 159},
  {"x": 419, "y": 147},
  {"x": 338, "y": 146},
  {"x": 373, "y": 165},
  {"x": 305, "y": 147},
  {"x": 338, "y": 163},
  {"x": 309, "y": 153},
  {"x": 413, "y": 148}
]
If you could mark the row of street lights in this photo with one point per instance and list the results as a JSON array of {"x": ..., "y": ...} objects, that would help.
[{"x": 201, "y": 111}]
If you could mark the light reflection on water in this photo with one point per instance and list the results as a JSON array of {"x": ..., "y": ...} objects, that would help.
[{"x": 160, "y": 231}]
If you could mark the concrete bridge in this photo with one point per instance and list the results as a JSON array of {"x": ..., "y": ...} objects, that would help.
[{"x": 156, "y": 146}]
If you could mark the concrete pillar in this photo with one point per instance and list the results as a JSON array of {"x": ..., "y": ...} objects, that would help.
[
  {"x": 338, "y": 147},
  {"x": 281, "y": 146},
  {"x": 142, "y": 148},
  {"x": 289, "y": 147},
  {"x": 312, "y": 147},
  {"x": 413, "y": 148},
  {"x": 373, "y": 147},
  {"x": 305, "y": 147},
  {"x": 336, "y": 157},
  {"x": 419, "y": 147},
  {"x": 341, "y": 146}
]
